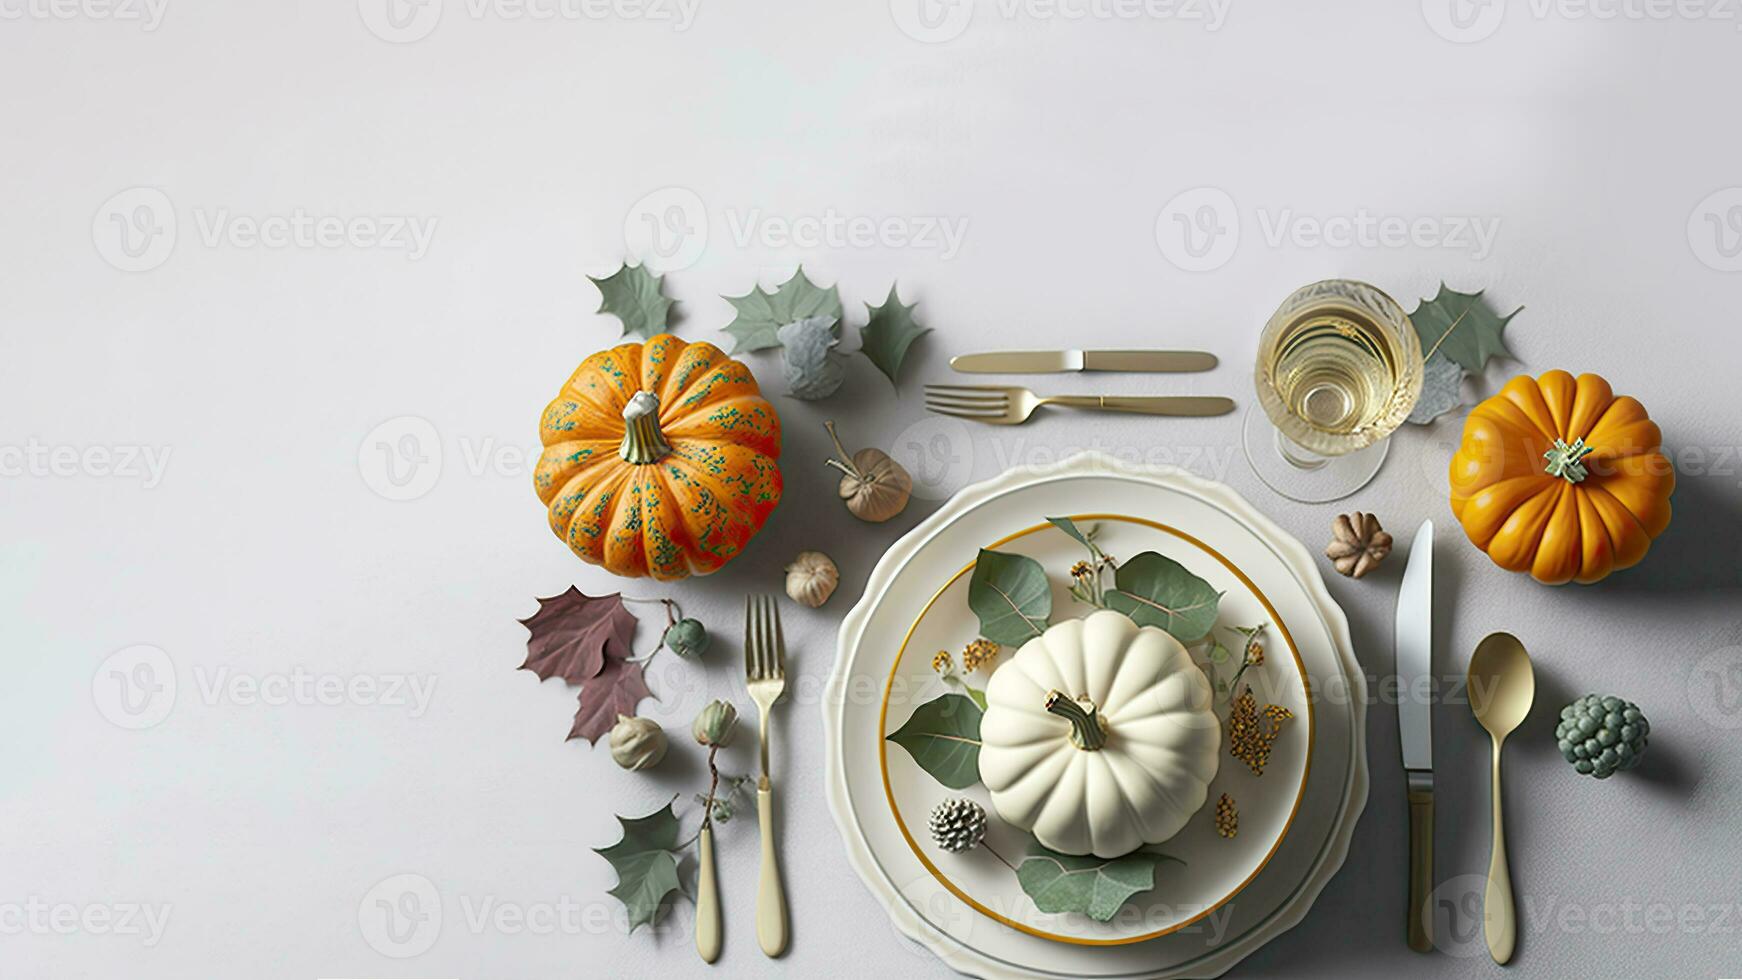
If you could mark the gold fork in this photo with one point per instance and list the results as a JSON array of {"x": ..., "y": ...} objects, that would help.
[
  {"x": 1010, "y": 405},
  {"x": 765, "y": 677}
]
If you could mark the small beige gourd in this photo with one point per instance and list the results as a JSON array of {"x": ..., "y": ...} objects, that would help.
[
  {"x": 811, "y": 578},
  {"x": 874, "y": 486}
]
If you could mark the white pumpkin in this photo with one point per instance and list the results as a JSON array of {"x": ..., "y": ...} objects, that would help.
[{"x": 1099, "y": 736}]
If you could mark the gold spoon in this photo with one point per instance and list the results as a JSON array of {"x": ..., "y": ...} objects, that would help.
[{"x": 1502, "y": 686}]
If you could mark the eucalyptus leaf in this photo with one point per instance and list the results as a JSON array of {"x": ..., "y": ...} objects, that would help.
[
  {"x": 888, "y": 334},
  {"x": 1011, "y": 596},
  {"x": 1155, "y": 590},
  {"x": 943, "y": 737},
  {"x": 632, "y": 295},
  {"x": 646, "y": 864},
  {"x": 761, "y": 314},
  {"x": 1461, "y": 326},
  {"x": 1442, "y": 389},
  {"x": 1069, "y": 526},
  {"x": 1095, "y": 887}
]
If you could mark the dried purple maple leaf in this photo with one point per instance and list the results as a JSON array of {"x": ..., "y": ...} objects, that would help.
[
  {"x": 574, "y": 634},
  {"x": 616, "y": 691}
]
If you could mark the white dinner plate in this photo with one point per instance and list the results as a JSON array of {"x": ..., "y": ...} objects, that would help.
[{"x": 920, "y": 905}]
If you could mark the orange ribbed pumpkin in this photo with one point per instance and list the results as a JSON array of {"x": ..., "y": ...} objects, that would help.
[
  {"x": 659, "y": 459},
  {"x": 1558, "y": 477}
]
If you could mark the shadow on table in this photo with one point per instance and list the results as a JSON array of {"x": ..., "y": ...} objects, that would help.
[{"x": 1696, "y": 554}]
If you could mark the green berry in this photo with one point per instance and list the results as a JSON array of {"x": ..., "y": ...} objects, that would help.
[
  {"x": 687, "y": 638},
  {"x": 1602, "y": 735}
]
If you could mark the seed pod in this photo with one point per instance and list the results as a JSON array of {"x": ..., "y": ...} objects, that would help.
[
  {"x": 874, "y": 486},
  {"x": 637, "y": 743},
  {"x": 715, "y": 724}
]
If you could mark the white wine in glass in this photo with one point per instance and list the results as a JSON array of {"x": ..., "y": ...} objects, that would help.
[{"x": 1339, "y": 369}]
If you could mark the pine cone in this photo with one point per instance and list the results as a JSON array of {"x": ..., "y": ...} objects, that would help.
[
  {"x": 1359, "y": 545},
  {"x": 958, "y": 825}
]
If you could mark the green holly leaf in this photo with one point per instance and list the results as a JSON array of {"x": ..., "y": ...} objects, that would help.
[
  {"x": 1155, "y": 590},
  {"x": 646, "y": 864},
  {"x": 886, "y": 337},
  {"x": 1095, "y": 887},
  {"x": 943, "y": 736},
  {"x": 631, "y": 294},
  {"x": 1218, "y": 653},
  {"x": 761, "y": 314},
  {"x": 1442, "y": 389},
  {"x": 1461, "y": 326},
  {"x": 1011, "y": 596}
]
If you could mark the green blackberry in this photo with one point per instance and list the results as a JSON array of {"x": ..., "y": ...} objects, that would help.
[{"x": 1602, "y": 735}]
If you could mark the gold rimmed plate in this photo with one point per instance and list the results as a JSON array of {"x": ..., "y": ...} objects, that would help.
[{"x": 1210, "y": 869}]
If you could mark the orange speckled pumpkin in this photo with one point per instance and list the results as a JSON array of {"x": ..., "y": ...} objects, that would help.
[
  {"x": 1558, "y": 477},
  {"x": 659, "y": 459}
]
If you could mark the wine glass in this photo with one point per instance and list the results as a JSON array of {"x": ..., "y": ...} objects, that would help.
[{"x": 1339, "y": 369}]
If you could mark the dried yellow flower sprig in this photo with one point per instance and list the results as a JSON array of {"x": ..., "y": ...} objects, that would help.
[
  {"x": 975, "y": 655},
  {"x": 1250, "y": 734},
  {"x": 978, "y": 653},
  {"x": 1227, "y": 817}
]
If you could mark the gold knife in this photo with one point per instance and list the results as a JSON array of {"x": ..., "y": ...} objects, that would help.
[{"x": 1054, "y": 361}]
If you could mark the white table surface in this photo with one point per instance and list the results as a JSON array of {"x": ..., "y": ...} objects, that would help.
[{"x": 192, "y": 459}]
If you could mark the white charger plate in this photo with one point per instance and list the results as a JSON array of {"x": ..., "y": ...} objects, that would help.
[
  {"x": 1211, "y": 869},
  {"x": 920, "y": 906}
]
